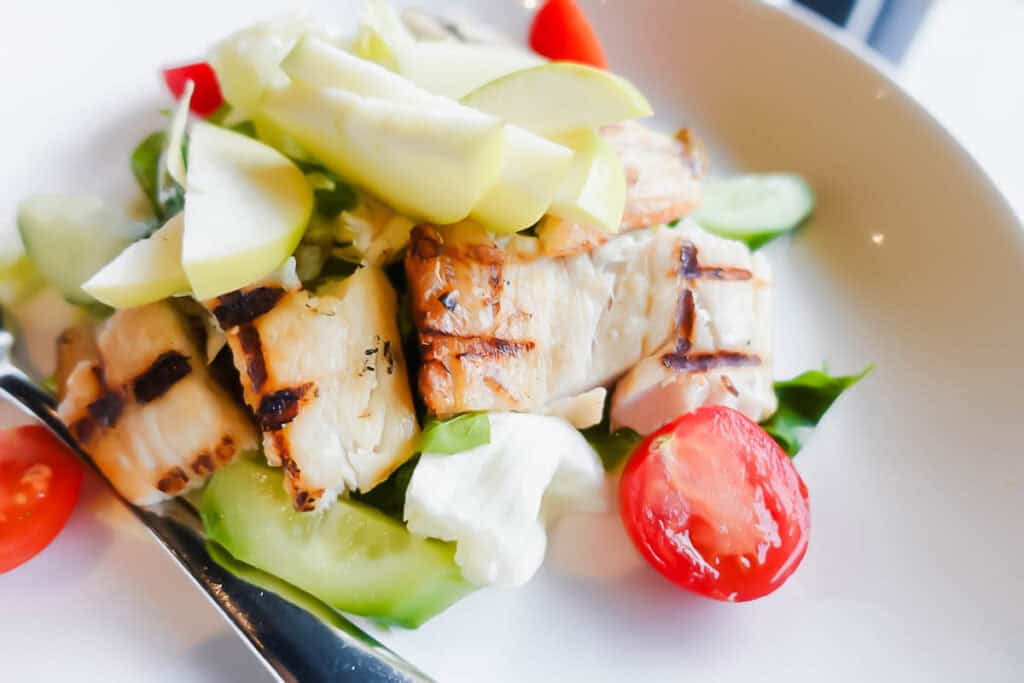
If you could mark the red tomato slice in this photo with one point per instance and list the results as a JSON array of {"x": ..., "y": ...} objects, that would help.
[
  {"x": 560, "y": 31},
  {"x": 715, "y": 505},
  {"x": 206, "y": 98},
  {"x": 39, "y": 484}
]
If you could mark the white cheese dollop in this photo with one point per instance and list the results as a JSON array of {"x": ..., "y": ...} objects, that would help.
[{"x": 494, "y": 500}]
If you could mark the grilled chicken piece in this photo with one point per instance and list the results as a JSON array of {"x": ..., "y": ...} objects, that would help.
[
  {"x": 663, "y": 174},
  {"x": 500, "y": 332},
  {"x": 721, "y": 350},
  {"x": 325, "y": 376},
  {"x": 141, "y": 402},
  {"x": 663, "y": 183}
]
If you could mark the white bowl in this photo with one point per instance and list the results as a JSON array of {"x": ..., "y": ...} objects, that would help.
[{"x": 912, "y": 262}]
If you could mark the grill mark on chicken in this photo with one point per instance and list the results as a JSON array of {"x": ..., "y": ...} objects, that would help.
[
  {"x": 681, "y": 358},
  {"x": 685, "y": 320},
  {"x": 203, "y": 464},
  {"x": 729, "y": 386},
  {"x": 306, "y": 501},
  {"x": 702, "y": 362},
  {"x": 425, "y": 243},
  {"x": 307, "y": 410},
  {"x": 239, "y": 308},
  {"x": 283, "y": 450},
  {"x": 102, "y": 412},
  {"x": 173, "y": 482},
  {"x": 303, "y": 500},
  {"x": 255, "y": 364},
  {"x": 389, "y": 357},
  {"x": 83, "y": 430},
  {"x": 433, "y": 341},
  {"x": 281, "y": 407},
  {"x": 132, "y": 401},
  {"x": 225, "y": 450},
  {"x": 499, "y": 388},
  {"x": 492, "y": 335},
  {"x": 691, "y": 269},
  {"x": 168, "y": 368},
  {"x": 106, "y": 409}
]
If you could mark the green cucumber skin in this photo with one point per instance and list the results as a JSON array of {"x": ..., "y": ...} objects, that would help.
[
  {"x": 352, "y": 557},
  {"x": 711, "y": 219},
  {"x": 755, "y": 240}
]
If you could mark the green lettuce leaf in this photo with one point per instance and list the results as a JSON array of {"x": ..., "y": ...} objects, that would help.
[
  {"x": 803, "y": 401},
  {"x": 612, "y": 447},
  {"x": 389, "y": 495},
  {"x": 331, "y": 194},
  {"x": 457, "y": 434},
  {"x": 165, "y": 196}
]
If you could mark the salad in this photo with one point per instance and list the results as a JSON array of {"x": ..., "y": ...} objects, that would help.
[{"x": 403, "y": 299}]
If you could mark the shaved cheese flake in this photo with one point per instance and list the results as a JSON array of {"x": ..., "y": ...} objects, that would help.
[
  {"x": 494, "y": 500},
  {"x": 174, "y": 156}
]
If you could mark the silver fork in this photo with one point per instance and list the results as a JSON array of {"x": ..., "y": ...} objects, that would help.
[{"x": 293, "y": 644}]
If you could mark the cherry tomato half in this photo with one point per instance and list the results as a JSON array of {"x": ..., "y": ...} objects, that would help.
[
  {"x": 561, "y": 31},
  {"x": 39, "y": 484},
  {"x": 715, "y": 505},
  {"x": 206, "y": 98}
]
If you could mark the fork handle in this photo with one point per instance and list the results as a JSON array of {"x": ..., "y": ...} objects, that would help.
[{"x": 293, "y": 644}]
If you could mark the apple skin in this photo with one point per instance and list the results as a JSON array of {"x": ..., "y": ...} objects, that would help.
[
  {"x": 246, "y": 208},
  {"x": 532, "y": 172},
  {"x": 574, "y": 97},
  {"x": 455, "y": 69},
  {"x": 70, "y": 237},
  {"x": 318, "y": 63},
  {"x": 146, "y": 271},
  {"x": 429, "y": 164}
]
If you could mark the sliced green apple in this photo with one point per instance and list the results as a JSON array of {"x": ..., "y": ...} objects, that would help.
[
  {"x": 318, "y": 63},
  {"x": 455, "y": 69},
  {"x": 146, "y": 271},
  {"x": 248, "y": 62},
  {"x": 560, "y": 97},
  {"x": 426, "y": 163},
  {"x": 594, "y": 191},
  {"x": 246, "y": 208},
  {"x": 381, "y": 35},
  {"x": 69, "y": 238},
  {"x": 532, "y": 170},
  {"x": 271, "y": 134},
  {"x": 381, "y": 16},
  {"x": 369, "y": 44}
]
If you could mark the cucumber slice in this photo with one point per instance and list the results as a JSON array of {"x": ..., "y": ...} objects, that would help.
[
  {"x": 69, "y": 238},
  {"x": 756, "y": 207},
  {"x": 352, "y": 557},
  {"x": 269, "y": 582}
]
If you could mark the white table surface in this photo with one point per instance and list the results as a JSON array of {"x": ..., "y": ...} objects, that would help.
[{"x": 68, "y": 614}]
